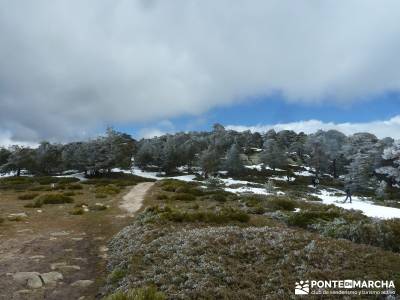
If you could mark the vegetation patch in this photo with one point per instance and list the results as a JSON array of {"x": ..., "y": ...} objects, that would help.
[
  {"x": 281, "y": 203},
  {"x": 148, "y": 293},
  {"x": 109, "y": 189},
  {"x": 28, "y": 196},
  {"x": 77, "y": 211}
]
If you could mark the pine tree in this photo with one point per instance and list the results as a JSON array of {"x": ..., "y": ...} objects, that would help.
[
  {"x": 274, "y": 156},
  {"x": 209, "y": 161},
  {"x": 233, "y": 163},
  {"x": 391, "y": 156}
]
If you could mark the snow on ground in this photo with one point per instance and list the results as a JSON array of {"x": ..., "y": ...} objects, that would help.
[
  {"x": 283, "y": 178},
  {"x": 303, "y": 173},
  {"x": 260, "y": 166},
  {"x": 153, "y": 175},
  {"x": 8, "y": 174},
  {"x": 367, "y": 207},
  {"x": 80, "y": 176}
]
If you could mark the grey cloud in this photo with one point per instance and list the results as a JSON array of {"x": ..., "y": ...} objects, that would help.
[{"x": 68, "y": 66}]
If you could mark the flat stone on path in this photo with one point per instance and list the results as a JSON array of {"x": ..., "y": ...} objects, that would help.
[
  {"x": 36, "y": 257},
  {"x": 51, "y": 277},
  {"x": 31, "y": 279},
  {"x": 60, "y": 233},
  {"x": 82, "y": 283}
]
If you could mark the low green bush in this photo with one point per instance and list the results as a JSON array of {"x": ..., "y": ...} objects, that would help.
[
  {"x": 100, "y": 196},
  {"x": 98, "y": 206},
  {"x": 221, "y": 217},
  {"x": 75, "y": 186},
  {"x": 162, "y": 197},
  {"x": 380, "y": 233},
  {"x": 304, "y": 218},
  {"x": 184, "y": 197},
  {"x": 69, "y": 194},
  {"x": 50, "y": 199},
  {"x": 148, "y": 293},
  {"x": 109, "y": 189},
  {"x": 281, "y": 203},
  {"x": 77, "y": 211},
  {"x": 28, "y": 196},
  {"x": 116, "y": 275}
]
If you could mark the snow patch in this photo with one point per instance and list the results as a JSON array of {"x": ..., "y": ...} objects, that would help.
[{"x": 367, "y": 207}]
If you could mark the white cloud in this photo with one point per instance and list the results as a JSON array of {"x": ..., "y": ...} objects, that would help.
[
  {"x": 67, "y": 66},
  {"x": 7, "y": 141},
  {"x": 388, "y": 128},
  {"x": 148, "y": 133}
]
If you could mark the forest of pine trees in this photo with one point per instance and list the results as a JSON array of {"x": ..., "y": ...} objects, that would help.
[{"x": 362, "y": 160}]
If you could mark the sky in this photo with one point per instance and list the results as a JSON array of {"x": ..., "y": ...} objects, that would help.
[{"x": 69, "y": 68}]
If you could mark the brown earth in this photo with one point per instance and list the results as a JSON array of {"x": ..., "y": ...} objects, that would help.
[{"x": 78, "y": 243}]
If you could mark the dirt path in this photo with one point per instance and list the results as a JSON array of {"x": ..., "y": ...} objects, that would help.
[
  {"x": 133, "y": 200},
  {"x": 66, "y": 253}
]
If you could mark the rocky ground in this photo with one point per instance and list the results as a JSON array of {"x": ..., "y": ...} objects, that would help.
[{"x": 48, "y": 253}]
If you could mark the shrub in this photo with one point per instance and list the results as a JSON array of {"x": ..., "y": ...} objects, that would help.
[
  {"x": 98, "y": 206},
  {"x": 380, "y": 233},
  {"x": 100, "y": 196},
  {"x": 109, "y": 189},
  {"x": 116, "y": 275},
  {"x": 54, "y": 199},
  {"x": 77, "y": 211},
  {"x": 281, "y": 203},
  {"x": 28, "y": 196},
  {"x": 162, "y": 197},
  {"x": 305, "y": 218},
  {"x": 69, "y": 194},
  {"x": 1, "y": 220},
  {"x": 184, "y": 197},
  {"x": 75, "y": 186},
  {"x": 149, "y": 293},
  {"x": 223, "y": 216}
]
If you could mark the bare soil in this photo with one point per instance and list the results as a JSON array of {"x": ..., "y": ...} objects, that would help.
[{"x": 52, "y": 235}]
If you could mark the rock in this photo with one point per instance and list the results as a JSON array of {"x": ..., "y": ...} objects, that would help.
[
  {"x": 64, "y": 267},
  {"x": 69, "y": 268},
  {"x": 22, "y": 292},
  {"x": 51, "y": 278},
  {"x": 17, "y": 216},
  {"x": 35, "y": 282},
  {"x": 23, "y": 277},
  {"x": 37, "y": 257},
  {"x": 82, "y": 283},
  {"x": 60, "y": 233},
  {"x": 77, "y": 239},
  {"x": 54, "y": 266},
  {"x": 80, "y": 259},
  {"x": 39, "y": 211},
  {"x": 103, "y": 249},
  {"x": 24, "y": 230}
]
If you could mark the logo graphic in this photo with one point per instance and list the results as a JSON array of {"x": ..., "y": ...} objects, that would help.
[{"x": 302, "y": 287}]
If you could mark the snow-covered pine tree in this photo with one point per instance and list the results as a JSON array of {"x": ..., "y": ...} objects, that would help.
[
  {"x": 233, "y": 163},
  {"x": 391, "y": 156},
  {"x": 273, "y": 155}
]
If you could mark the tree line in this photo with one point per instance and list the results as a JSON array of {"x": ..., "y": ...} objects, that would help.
[{"x": 362, "y": 159}]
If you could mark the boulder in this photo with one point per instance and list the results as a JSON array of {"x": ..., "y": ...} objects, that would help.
[{"x": 82, "y": 283}]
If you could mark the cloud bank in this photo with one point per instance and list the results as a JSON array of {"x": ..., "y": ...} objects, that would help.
[
  {"x": 382, "y": 129},
  {"x": 67, "y": 66}
]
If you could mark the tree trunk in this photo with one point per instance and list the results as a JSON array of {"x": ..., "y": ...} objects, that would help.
[
  {"x": 334, "y": 169},
  {"x": 19, "y": 172}
]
